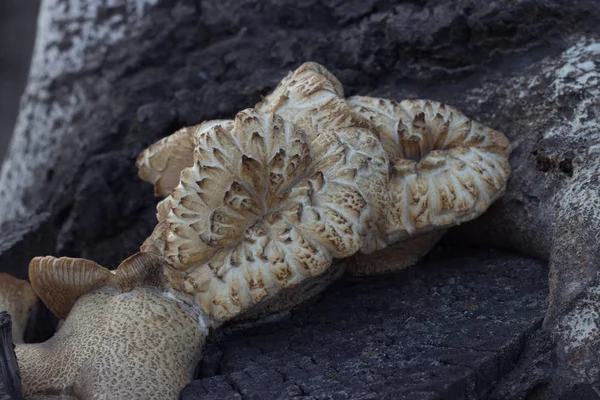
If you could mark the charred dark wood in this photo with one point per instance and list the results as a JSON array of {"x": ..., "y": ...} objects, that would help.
[
  {"x": 10, "y": 382},
  {"x": 525, "y": 68}
]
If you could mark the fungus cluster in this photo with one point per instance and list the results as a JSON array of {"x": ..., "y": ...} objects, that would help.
[
  {"x": 255, "y": 210},
  {"x": 414, "y": 167}
]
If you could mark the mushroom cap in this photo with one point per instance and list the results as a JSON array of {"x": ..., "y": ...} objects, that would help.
[
  {"x": 312, "y": 98},
  {"x": 330, "y": 175},
  {"x": 264, "y": 208},
  {"x": 305, "y": 97},
  {"x": 59, "y": 282},
  {"x": 445, "y": 168},
  {"x": 16, "y": 297},
  {"x": 162, "y": 162}
]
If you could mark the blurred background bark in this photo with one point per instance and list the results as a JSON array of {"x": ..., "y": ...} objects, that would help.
[{"x": 17, "y": 32}]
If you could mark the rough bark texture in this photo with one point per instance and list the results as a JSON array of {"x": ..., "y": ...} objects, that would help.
[
  {"x": 446, "y": 330},
  {"x": 10, "y": 383},
  {"x": 108, "y": 80}
]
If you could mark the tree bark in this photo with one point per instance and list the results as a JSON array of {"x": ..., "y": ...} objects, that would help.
[{"x": 109, "y": 78}]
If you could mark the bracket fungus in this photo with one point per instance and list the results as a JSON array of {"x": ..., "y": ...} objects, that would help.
[
  {"x": 162, "y": 163},
  {"x": 445, "y": 168},
  {"x": 265, "y": 208},
  {"x": 255, "y": 210}
]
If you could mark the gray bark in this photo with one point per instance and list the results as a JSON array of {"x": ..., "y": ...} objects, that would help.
[
  {"x": 17, "y": 32},
  {"x": 446, "y": 330},
  {"x": 109, "y": 79}
]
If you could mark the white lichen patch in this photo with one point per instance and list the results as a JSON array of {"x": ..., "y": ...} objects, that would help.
[
  {"x": 581, "y": 199},
  {"x": 582, "y": 324},
  {"x": 578, "y": 74},
  {"x": 574, "y": 79},
  {"x": 73, "y": 38}
]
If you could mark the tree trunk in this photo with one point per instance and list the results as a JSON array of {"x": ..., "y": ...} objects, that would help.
[{"x": 109, "y": 79}]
